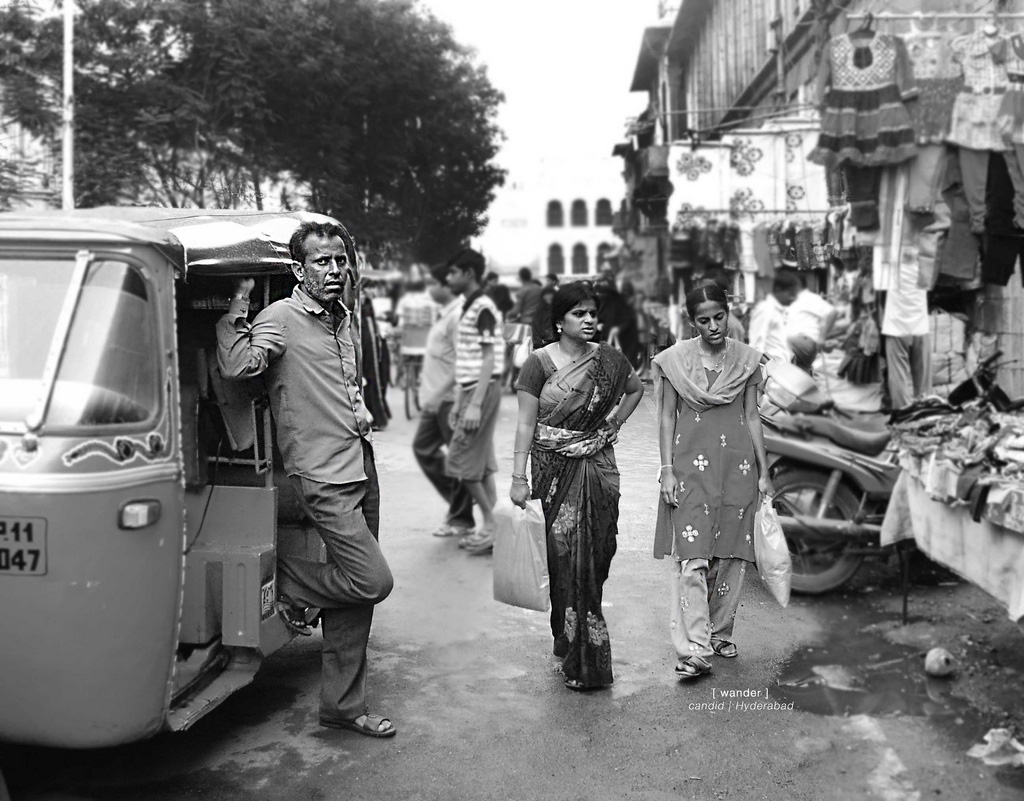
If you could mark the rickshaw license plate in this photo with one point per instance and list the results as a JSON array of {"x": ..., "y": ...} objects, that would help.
[{"x": 22, "y": 546}]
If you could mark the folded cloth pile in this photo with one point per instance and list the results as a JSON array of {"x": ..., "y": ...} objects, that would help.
[{"x": 962, "y": 454}]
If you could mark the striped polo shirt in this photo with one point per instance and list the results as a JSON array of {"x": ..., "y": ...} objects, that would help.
[{"x": 480, "y": 324}]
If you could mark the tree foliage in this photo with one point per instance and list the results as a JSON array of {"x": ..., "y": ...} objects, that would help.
[{"x": 365, "y": 109}]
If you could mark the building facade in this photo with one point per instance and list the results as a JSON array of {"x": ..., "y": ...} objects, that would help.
[
  {"x": 732, "y": 113},
  {"x": 557, "y": 218}
]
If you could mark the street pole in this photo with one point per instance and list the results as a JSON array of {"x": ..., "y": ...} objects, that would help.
[{"x": 68, "y": 118}]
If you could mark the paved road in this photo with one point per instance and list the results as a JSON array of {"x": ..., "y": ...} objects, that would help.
[{"x": 483, "y": 714}]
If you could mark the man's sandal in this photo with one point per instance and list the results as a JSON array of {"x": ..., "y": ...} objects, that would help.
[
  {"x": 370, "y": 725},
  {"x": 725, "y": 649},
  {"x": 692, "y": 667},
  {"x": 294, "y": 618}
]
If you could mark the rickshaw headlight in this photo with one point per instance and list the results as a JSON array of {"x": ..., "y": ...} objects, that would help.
[{"x": 139, "y": 514}]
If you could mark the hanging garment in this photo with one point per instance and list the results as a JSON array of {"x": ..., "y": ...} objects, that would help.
[
  {"x": 775, "y": 245},
  {"x": 787, "y": 245},
  {"x": 924, "y": 177},
  {"x": 892, "y": 200},
  {"x": 938, "y": 81},
  {"x": 805, "y": 259},
  {"x": 762, "y": 251},
  {"x": 957, "y": 259},
  {"x": 1011, "y": 122},
  {"x": 975, "y": 122},
  {"x": 748, "y": 263},
  {"x": 862, "y": 185},
  {"x": 1004, "y": 245},
  {"x": 1011, "y": 104},
  {"x": 867, "y": 76},
  {"x": 975, "y": 126}
]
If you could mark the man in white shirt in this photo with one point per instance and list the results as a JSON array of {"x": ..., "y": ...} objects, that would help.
[
  {"x": 767, "y": 332},
  {"x": 905, "y": 327},
  {"x": 809, "y": 319}
]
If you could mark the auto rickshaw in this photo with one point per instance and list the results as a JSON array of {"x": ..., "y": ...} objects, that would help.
[{"x": 141, "y": 504}]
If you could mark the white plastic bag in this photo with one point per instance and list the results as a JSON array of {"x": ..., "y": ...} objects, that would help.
[
  {"x": 771, "y": 552},
  {"x": 521, "y": 556}
]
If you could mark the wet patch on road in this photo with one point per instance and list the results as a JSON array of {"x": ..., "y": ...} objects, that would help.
[{"x": 856, "y": 671}]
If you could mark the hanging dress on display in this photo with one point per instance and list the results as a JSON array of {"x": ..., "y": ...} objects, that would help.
[
  {"x": 975, "y": 125},
  {"x": 976, "y": 109},
  {"x": 938, "y": 80},
  {"x": 864, "y": 80},
  {"x": 1011, "y": 122},
  {"x": 1011, "y": 104}
]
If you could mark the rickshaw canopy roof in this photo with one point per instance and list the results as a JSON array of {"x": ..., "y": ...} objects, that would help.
[{"x": 207, "y": 242}]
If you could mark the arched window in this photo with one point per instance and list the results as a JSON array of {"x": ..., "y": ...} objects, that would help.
[
  {"x": 603, "y": 212},
  {"x": 579, "y": 259},
  {"x": 556, "y": 219},
  {"x": 602, "y": 253},
  {"x": 579, "y": 213},
  {"x": 556, "y": 259}
]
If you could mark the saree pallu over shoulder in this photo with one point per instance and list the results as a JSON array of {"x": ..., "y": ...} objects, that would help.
[{"x": 681, "y": 365}]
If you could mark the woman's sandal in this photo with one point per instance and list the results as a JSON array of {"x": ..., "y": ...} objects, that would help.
[
  {"x": 725, "y": 649},
  {"x": 692, "y": 667},
  {"x": 580, "y": 687}
]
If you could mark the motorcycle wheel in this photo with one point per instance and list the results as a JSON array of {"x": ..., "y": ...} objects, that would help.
[{"x": 823, "y": 565}]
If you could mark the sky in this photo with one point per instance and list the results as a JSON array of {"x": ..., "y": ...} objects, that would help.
[{"x": 565, "y": 67}]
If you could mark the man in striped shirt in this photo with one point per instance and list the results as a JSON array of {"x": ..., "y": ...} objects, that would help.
[{"x": 479, "y": 363}]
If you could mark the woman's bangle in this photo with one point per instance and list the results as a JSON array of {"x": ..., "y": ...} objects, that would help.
[
  {"x": 615, "y": 421},
  {"x": 666, "y": 465},
  {"x": 515, "y": 452},
  {"x": 520, "y": 477}
]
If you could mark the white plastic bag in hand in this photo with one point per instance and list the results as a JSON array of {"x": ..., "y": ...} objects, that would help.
[
  {"x": 521, "y": 556},
  {"x": 771, "y": 552}
]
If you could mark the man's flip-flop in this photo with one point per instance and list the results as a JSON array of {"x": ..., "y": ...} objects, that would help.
[
  {"x": 293, "y": 618},
  {"x": 371, "y": 725}
]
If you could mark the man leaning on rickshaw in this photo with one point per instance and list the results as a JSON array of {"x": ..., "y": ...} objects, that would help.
[{"x": 305, "y": 348}]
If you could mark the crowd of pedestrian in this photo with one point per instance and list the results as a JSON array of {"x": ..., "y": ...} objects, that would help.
[{"x": 320, "y": 356}]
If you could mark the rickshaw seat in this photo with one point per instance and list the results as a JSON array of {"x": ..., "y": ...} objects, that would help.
[{"x": 234, "y": 401}]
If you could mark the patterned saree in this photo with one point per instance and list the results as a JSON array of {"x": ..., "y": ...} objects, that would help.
[{"x": 576, "y": 478}]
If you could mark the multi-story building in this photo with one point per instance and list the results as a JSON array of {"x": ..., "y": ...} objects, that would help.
[{"x": 732, "y": 114}]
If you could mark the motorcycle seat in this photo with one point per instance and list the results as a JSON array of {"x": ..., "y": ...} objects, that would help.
[{"x": 868, "y": 443}]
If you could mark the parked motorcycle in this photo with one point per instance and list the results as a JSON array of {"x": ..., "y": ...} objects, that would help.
[{"x": 834, "y": 474}]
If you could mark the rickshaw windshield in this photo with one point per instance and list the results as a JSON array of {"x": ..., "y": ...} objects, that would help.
[{"x": 109, "y": 371}]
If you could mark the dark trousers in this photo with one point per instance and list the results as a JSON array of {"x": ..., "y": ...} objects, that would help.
[
  {"x": 432, "y": 435},
  {"x": 346, "y": 587}
]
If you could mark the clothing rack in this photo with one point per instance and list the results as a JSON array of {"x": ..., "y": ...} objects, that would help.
[
  {"x": 883, "y": 16},
  {"x": 786, "y": 212}
]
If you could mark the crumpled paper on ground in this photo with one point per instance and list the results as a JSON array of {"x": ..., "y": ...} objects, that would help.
[{"x": 999, "y": 748}]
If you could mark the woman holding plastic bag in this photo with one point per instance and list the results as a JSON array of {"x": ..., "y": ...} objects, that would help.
[
  {"x": 713, "y": 467},
  {"x": 574, "y": 395}
]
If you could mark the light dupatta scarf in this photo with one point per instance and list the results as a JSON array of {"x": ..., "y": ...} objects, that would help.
[{"x": 681, "y": 365}]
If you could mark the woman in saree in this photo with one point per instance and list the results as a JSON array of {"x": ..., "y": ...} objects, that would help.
[
  {"x": 713, "y": 466},
  {"x": 574, "y": 395}
]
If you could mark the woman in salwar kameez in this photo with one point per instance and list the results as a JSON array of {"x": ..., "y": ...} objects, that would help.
[
  {"x": 714, "y": 466},
  {"x": 574, "y": 395}
]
